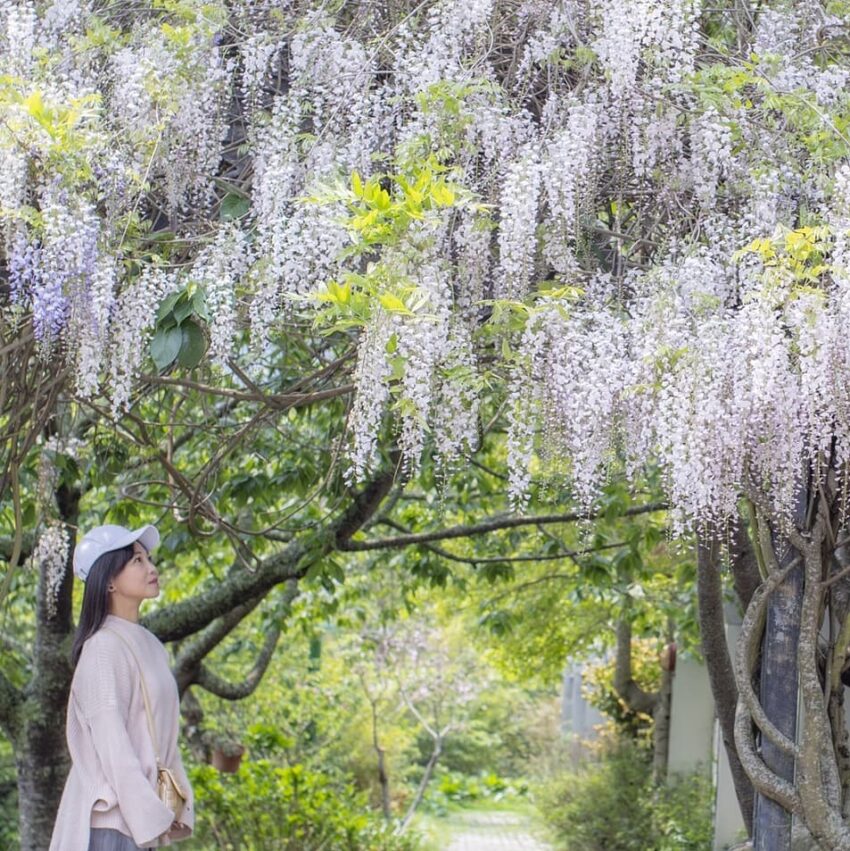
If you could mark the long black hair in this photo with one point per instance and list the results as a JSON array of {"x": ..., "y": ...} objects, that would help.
[{"x": 96, "y": 596}]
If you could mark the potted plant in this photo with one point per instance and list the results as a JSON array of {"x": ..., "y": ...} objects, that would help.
[{"x": 225, "y": 753}]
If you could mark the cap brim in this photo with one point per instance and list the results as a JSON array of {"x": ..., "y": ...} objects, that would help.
[{"x": 147, "y": 536}]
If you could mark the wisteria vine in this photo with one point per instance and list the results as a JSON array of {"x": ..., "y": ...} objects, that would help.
[{"x": 669, "y": 221}]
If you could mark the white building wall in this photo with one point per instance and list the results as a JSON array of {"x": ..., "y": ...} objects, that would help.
[
  {"x": 578, "y": 717},
  {"x": 691, "y": 719}
]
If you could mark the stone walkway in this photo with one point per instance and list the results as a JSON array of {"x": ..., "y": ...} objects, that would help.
[{"x": 494, "y": 831}]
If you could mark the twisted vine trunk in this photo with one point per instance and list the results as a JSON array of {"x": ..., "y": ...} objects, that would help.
[{"x": 799, "y": 617}]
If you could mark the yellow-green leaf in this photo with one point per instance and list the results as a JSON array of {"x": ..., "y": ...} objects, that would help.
[
  {"x": 442, "y": 195},
  {"x": 393, "y": 304}
]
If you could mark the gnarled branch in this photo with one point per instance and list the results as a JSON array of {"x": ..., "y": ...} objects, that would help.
[
  {"x": 246, "y": 587},
  {"x": 746, "y": 654},
  {"x": 217, "y": 685}
]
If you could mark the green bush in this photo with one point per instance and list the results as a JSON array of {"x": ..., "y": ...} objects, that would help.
[
  {"x": 8, "y": 808},
  {"x": 267, "y": 806},
  {"x": 612, "y": 805},
  {"x": 507, "y": 733},
  {"x": 8, "y": 799},
  {"x": 453, "y": 787}
]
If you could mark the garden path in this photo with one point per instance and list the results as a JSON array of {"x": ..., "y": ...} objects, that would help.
[{"x": 494, "y": 831}]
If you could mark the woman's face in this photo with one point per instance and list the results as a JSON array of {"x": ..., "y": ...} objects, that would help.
[{"x": 138, "y": 579}]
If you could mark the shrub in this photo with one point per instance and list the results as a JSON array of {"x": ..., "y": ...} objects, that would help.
[
  {"x": 8, "y": 806},
  {"x": 289, "y": 808},
  {"x": 453, "y": 787},
  {"x": 612, "y": 805}
]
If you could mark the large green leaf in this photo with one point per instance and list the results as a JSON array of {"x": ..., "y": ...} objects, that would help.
[
  {"x": 233, "y": 206},
  {"x": 165, "y": 346},
  {"x": 166, "y": 306},
  {"x": 199, "y": 304},
  {"x": 193, "y": 346},
  {"x": 183, "y": 308}
]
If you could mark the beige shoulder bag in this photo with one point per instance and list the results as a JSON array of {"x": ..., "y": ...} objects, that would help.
[{"x": 167, "y": 787}]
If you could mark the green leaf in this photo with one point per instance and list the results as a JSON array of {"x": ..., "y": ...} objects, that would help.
[
  {"x": 336, "y": 293},
  {"x": 233, "y": 206},
  {"x": 193, "y": 346},
  {"x": 442, "y": 194},
  {"x": 382, "y": 199},
  {"x": 199, "y": 305},
  {"x": 183, "y": 308},
  {"x": 29, "y": 514},
  {"x": 334, "y": 570},
  {"x": 167, "y": 306},
  {"x": 165, "y": 346},
  {"x": 393, "y": 304},
  {"x": 314, "y": 570}
]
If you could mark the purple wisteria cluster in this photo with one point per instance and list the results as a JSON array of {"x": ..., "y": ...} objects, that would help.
[
  {"x": 609, "y": 151},
  {"x": 53, "y": 278}
]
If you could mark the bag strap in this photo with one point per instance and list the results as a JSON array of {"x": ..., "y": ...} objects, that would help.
[{"x": 145, "y": 697}]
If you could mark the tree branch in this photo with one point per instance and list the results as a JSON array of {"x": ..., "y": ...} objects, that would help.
[
  {"x": 474, "y": 561},
  {"x": 746, "y": 654},
  {"x": 764, "y": 780},
  {"x": 244, "y": 587},
  {"x": 236, "y": 596},
  {"x": 213, "y": 683},
  {"x": 194, "y": 651},
  {"x": 283, "y": 401},
  {"x": 492, "y": 526}
]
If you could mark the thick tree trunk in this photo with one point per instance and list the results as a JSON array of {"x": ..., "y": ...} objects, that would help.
[
  {"x": 779, "y": 693},
  {"x": 656, "y": 703},
  {"x": 721, "y": 676},
  {"x": 661, "y": 728},
  {"x": 41, "y": 754},
  {"x": 629, "y": 691}
]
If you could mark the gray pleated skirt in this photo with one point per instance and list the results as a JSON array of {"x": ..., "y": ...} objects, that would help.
[{"x": 107, "y": 839}]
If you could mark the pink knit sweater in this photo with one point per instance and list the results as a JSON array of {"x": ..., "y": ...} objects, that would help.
[{"x": 112, "y": 782}]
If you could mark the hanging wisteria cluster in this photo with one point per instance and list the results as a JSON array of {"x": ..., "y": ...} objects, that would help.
[
  {"x": 50, "y": 557},
  {"x": 667, "y": 210}
]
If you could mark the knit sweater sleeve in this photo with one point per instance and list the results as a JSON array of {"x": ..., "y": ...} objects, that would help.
[{"x": 103, "y": 684}]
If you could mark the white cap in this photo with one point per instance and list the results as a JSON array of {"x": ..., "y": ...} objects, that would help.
[{"x": 105, "y": 539}]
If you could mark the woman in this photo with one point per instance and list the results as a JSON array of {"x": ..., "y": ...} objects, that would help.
[{"x": 110, "y": 802}]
